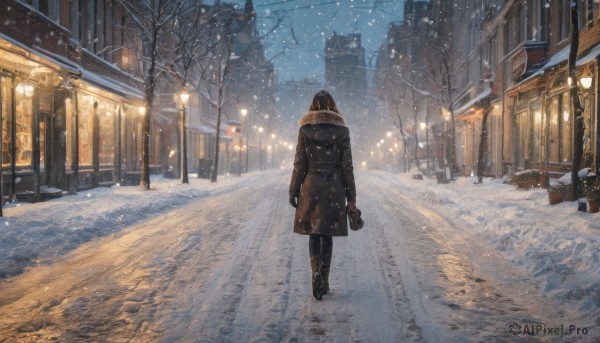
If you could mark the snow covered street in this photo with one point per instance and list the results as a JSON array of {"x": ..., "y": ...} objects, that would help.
[{"x": 219, "y": 263}]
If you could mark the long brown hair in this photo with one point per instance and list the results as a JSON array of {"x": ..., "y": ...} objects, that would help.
[{"x": 323, "y": 101}]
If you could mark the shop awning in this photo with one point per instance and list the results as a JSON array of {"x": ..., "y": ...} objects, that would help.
[
  {"x": 38, "y": 55},
  {"x": 561, "y": 57},
  {"x": 202, "y": 128},
  {"x": 469, "y": 108},
  {"x": 110, "y": 85},
  {"x": 593, "y": 54},
  {"x": 205, "y": 125}
]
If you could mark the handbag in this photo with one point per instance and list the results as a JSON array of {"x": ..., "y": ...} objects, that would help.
[{"x": 356, "y": 222}]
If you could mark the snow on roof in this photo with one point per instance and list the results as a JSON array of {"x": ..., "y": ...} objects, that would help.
[
  {"x": 202, "y": 128},
  {"x": 560, "y": 57},
  {"x": 42, "y": 56},
  {"x": 590, "y": 56},
  {"x": 485, "y": 93},
  {"x": 111, "y": 85},
  {"x": 61, "y": 63}
]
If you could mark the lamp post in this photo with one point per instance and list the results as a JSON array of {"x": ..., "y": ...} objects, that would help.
[
  {"x": 260, "y": 131},
  {"x": 380, "y": 158},
  {"x": 273, "y": 136},
  {"x": 238, "y": 147},
  {"x": 184, "y": 96},
  {"x": 244, "y": 112},
  {"x": 424, "y": 127}
]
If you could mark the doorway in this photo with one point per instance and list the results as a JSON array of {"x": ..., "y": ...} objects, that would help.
[{"x": 54, "y": 126}]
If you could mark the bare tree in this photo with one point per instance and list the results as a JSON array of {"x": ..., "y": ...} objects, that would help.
[
  {"x": 577, "y": 107},
  {"x": 149, "y": 21},
  {"x": 389, "y": 95},
  {"x": 482, "y": 161},
  {"x": 192, "y": 42},
  {"x": 443, "y": 80},
  {"x": 217, "y": 66},
  {"x": 214, "y": 70}
]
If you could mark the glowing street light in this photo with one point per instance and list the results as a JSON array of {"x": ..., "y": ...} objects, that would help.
[
  {"x": 184, "y": 97},
  {"x": 244, "y": 112},
  {"x": 586, "y": 82},
  {"x": 273, "y": 137},
  {"x": 424, "y": 127},
  {"x": 260, "y": 131}
]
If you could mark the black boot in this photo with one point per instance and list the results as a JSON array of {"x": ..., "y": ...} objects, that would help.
[
  {"x": 317, "y": 279},
  {"x": 325, "y": 253},
  {"x": 325, "y": 277}
]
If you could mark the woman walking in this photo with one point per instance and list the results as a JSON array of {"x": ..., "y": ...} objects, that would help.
[{"x": 322, "y": 182}]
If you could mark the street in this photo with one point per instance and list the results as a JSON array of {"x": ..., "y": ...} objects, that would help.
[{"x": 228, "y": 268}]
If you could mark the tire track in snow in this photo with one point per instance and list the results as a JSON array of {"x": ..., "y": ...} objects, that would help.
[
  {"x": 127, "y": 287},
  {"x": 454, "y": 300},
  {"x": 366, "y": 304},
  {"x": 220, "y": 299},
  {"x": 229, "y": 268}
]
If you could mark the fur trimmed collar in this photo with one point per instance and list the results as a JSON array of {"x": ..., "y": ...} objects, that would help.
[{"x": 322, "y": 117}]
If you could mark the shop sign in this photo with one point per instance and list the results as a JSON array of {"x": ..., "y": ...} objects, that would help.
[{"x": 528, "y": 58}]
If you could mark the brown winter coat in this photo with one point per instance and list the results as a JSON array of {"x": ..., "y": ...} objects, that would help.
[{"x": 323, "y": 177}]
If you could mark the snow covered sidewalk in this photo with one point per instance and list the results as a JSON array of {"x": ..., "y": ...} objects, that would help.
[
  {"x": 555, "y": 244},
  {"x": 31, "y": 233}
]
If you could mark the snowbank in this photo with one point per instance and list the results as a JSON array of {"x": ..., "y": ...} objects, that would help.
[
  {"x": 556, "y": 244},
  {"x": 33, "y": 233}
]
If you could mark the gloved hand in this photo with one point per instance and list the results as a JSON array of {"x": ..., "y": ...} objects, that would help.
[
  {"x": 293, "y": 199},
  {"x": 356, "y": 222}
]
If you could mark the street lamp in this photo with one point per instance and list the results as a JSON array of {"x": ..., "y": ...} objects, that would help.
[
  {"x": 239, "y": 148},
  {"x": 273, "y": 136},
  {"x": 260, "y": 131},
  {"x": 244, "y": 112},
  {"x": 586, "y": 82},
  {"x": 424, "y": 127},
  {"x": 184, "y": 96}
]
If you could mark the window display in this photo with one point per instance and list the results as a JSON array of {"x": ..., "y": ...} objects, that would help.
[
  {"x": 5, "y": 99},
  {"x": 566, "y": 129},
  {"x": 554, "y": 137},
  {"x": 69, "y": 134},
  {"x": 86, "y": 104},
  {"x": 23, "y": 125},
  {"x": 107, "y": 113}
]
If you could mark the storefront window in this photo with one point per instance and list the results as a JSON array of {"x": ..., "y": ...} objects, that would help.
[
  {"x": 139, "y": 143},
  {"x": 23, "y": 124},
  {"x": 155, "y": 144},
  {"x": 69, "y": 134},
  {"x": 42, "y": 128},
  {"x": 566, "y": 129},
  {"x": 86, "y": 104},
  {"x": 536, "y": 115},
  {"x": 554, "y": 136},
  {"x": 131, "y": 137},
  {"x": 588, "y": 157},
  {"x": 5, "y": 92},
  {"x": 107, "y": 113},
  {"x": 523, "y": 127}
]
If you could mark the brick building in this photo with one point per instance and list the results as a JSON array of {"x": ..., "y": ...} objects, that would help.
[
  {"x": 69, "y": 108},
  {"x": 72, "y": 96},
  {"x": 510, "y": 58}
]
